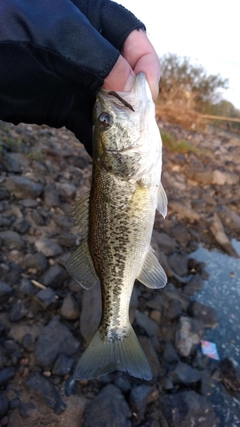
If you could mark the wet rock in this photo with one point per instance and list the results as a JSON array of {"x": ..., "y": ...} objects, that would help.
[
  {"x": 55, "y": 338},
  {"x": 89, "y": 319},
  {"x": 188, "y": 335},
  {"x": 3, "y": 404},
  {"x": 18, "y": 312},
  {"x": 166, "y": 244},
  {"x": 48, "y": 247},
  {"x": 178, "y": 263},
  {"x": 185, "y": 374},
  {"x": 46, "y": 298},
  {"x": 138, "y": 400},
  {"x": 6, "y": 374},
  {"x": 63, "y": 365},
  {"x": 23, "y": 187},
  {"x": 219, "y": 234},
  {"x": 108, "y": 409},
  {"x": 54, "y": 276},
  {"x": 184, "y": 212},
  {"x": 42, "y": 388},
  {"x": 21, "y": 225},
  {"x": 69, "y": 309},
  {"x": 207, "y": 315},
  {"x": 5, "y": 290},
  {"x": 11, "y": 240},
  {"x": 193, "y": 285},
  {"x": 187, "y": 409},
  {"x": 230, "y": 374},
  {"x": 37, "y": 261}
]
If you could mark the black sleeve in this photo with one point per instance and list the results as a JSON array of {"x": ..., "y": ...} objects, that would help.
[{"x": 54, "y": 56}]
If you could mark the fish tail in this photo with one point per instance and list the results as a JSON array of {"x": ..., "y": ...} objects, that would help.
[{"x": 103, "y": 356}]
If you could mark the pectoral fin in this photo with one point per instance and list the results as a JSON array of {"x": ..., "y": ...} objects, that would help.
[
  {"x": 162, "y": 201},
  {"x": 81, "y": 213},
  {"x": 152, "y": 274},
  {"x": 80, "y": 266}
]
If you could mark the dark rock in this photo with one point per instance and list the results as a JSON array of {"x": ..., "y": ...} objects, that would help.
[
  {"x": 10, "y": 164},
  {"x": 193, "y": 285},
  {"x": 44, "y": 389},
  {"x": 12, "y": 274},
  {"x": 151, "y": 355},
  {"x": 89, "y": 319},
  {"x": 206, "y": 314},
  {"x": 38, "y": 261},
  {"x": 169, "y": 354},
  {"x": 67, "y": 190},
  {"x": 63, "y": 365},
  {"x": 173, "y": 309},
  {"x": 14, "y": 403},
  {"x": 18, "y": 311},
  {"x": 69, "y": 309},
  {"x": 70, "y": 386},
  {"x": 66, "y": 240},
  {"x": 26, "y": 287},
  {"x": 37, "y": 218},
  {"x": 230, "y": 374},
  {"x": 51, "y": 196},
  {"x": 63, "y": 222},
  {"x": 48, "y": 247},
  {"x": 167, "y": 384},
  {"x": 25, "y": 408},
  {"x": 21, "y": 226},
  {"x": 6, "y": 374},
  {"x": 188, "y": 335},
  {"x": 28, "y": 342},
  {"x": 166, "y": 244},
  {"x": 46, "y": 298},
  {"x": 11, "y": 240},
  {"x": 149, "y": 325},
  {"x": 138, "y": 400},
  {"x": 3, "y": 404},
  {"x": 54, "y": 276},
  {"x": 4, "y": 194},
  {"x": 181, "y": 235},
  {"x": 23, "y": 187},
  {"x": 185, "y": 374},
  {"x": 5, "y": 290},
  {"x": 3, "y": 358},
  {"x": 108, "y": 409},
  {"x": 29, "y": 203},
  {"x": 122, "y": 381},
  {"x": 55, "y": 338},
  {"x": 179, "y": 264},
  {"x": 187, "y": 409},
  {"x": 5, "y": 222}
]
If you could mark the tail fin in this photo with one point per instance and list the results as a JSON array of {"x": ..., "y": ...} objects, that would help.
[{"x": 103, "y": 356}]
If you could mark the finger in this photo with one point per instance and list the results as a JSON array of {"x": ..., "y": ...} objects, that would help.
[{"x": 121, "y": 78}]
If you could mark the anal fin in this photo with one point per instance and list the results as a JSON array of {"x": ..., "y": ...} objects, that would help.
[{"x": 152, "y": 274}]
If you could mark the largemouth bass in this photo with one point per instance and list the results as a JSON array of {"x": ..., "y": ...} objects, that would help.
[{"x": 117, "y": 221}]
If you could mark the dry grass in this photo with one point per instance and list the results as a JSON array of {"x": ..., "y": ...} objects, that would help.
[{"x": 176, "y": 114}]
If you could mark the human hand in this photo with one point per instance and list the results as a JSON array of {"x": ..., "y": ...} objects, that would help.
[{"x": 137, "y": 55}]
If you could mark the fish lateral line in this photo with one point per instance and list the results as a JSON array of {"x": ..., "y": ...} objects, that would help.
[{"x": 121, "y": 99}]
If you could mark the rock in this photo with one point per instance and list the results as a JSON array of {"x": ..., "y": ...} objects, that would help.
[
  {"x": 108, "y": 409},
  {"x": 184, "y": 212},
  {"x": 222, "y": 178},
  {"x": 3, "y": 404},
  {"x": 29, "y": 203},
  {"x": 3, "y": 357},
  {"x": 178, "y": 263},
  {"x": 147, "y": 324},
  {"x": 11, "y": 240},
  {"x": 90, "y": 319},
  {"x": 63, "y": 365},
  {"x": 26, "y": 287},
  {"x": 193, "y": 285},
  {"x": 69, "y": 309},
  {"x": 10, "y": 164},
  {"x": 5, "y": 290},
  {"x": 169, "y": 354},
  {"x": 188, "y": 335},
  {"x": 231, "y": 217},
  {"x": 54, "y": 276},
  {"x": 46, "y": 297},
  {"x": 230, "y": 374},
  {"x": 165, "y": 243},
  {"x": 55, "y": 338},
  {"x": 67, "y": 240},
  {"x": 22, "y": 187},
  {"x": 173, "y": 309},
  {"x": 6, "y": 374},
  {"x": 51, "y": 196},
  {"x": 18, "y": 311},
  {"x": 37, "y": 261},
  {"x": 48, "y": 247},
  {"x": 37, "y": 218},
  {"x": 122, "y": 381},
  {"x": 207, "y": 315},
  {"x": 219, "y": 234},
  {"x": 181, "y": 235},
  {"x": 67, "y": 190},
  {"x": 203, "y": 176},
  {"x": 185, "y": 374},
  {"x": 21, "y": 225},
  {"x": 42, "y": 388},
  {"x": 187, "y": 409},
  {"x": 138, "y": 400},
  {"x": 151, "y": 355},
  {"x": 28, "y": 342},
  {"x": 4, "y": 194}
]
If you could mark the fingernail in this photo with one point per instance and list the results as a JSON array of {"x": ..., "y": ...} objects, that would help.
[{"x": 129, "y": 83}]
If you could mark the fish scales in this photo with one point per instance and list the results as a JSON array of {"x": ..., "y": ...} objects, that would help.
[{"x": 117, "y": 221}]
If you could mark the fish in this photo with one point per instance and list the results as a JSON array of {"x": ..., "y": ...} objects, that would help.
[{"x": 116, "y": 219}]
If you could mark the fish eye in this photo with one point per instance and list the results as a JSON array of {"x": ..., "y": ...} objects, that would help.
[{"x": 105, "y": 119}]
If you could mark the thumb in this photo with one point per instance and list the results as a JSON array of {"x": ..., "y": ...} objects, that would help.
[{"x": 121, "y": 78}]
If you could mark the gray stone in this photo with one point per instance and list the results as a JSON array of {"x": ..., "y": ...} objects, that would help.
[
  {"x": 22, "y": 187},
  {"x": 193, "y": 285},
  {"x": 183, "y": 211},
  {"x": 173, "y": 310},
  {"x": 44, "y": 389},
  {"x": 10, "y": 164},
  {"x": 188, "y": 335},
  {"x": 51, "y": 196},
  {"x": 178, "y": 263},
  {"x": 21, "y": 225},
  {"x": 28, "y": 203},
  {"x": 169, "y": 354},
  {"x": 55, "y": 338},
  {"x": 36, "y": 261},
  {"x": 187, "y": 409},
  {"x": 11, "y": 240},
  {"x": 147, "y": 324},
  {"x": 54, "y": 276},
  {"x": 67, "y": 190},
  {"x": 28, "y": 342},
  {"x": 3, "y": 404},
  {"x": 108, "y": 409},
  {"x": 18, "y": 312},
  {"x": 48, "y": 247},
  {"x": 165, "y": 243},
  {"x": 4, "y": 194},
  {"x": 63, "y": 365},
  {"x": 26, "y": 287},
  {"x": 69, "y": 309},
  {"x": 37, "y": 218},
  {"x": 138, "y": 400},
  {"x": 67, "y": 240},
  {"x": 185, "y": 374},
  {"x": 5, "y": 289},
  {"x": 6, "y": 374},
  {"x": 46, "y": 298},
  {"x": 206, "y": 314},
  {"x": 151, "y": 355}
]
